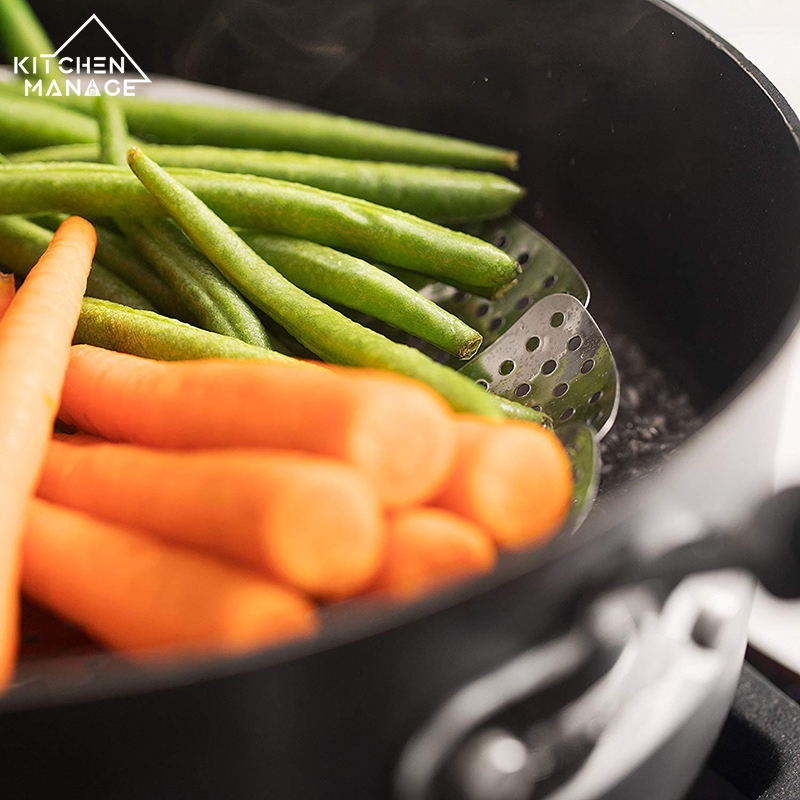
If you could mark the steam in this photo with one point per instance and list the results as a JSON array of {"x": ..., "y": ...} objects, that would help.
[{"x": 308, "y": 43}]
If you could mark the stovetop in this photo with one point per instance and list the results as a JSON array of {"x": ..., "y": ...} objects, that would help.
[{"x": 757, "y": 756}]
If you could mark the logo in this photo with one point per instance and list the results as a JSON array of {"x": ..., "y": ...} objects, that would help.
[{"x": 66, "y": 75}]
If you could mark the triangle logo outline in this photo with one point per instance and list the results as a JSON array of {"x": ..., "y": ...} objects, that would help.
[{"x": 143, "y": 79}]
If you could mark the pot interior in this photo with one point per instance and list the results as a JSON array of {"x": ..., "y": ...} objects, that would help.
[{"x": 658, "y": 165}]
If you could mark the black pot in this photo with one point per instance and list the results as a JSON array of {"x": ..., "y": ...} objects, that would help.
[{"x": 668, "y": 169}]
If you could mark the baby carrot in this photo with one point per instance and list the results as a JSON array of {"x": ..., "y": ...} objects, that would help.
[
  {"x": 327, "y": 333},
  {"x": 143, "y": 333},
  {"x": 513, "y": 479},
  {"x": 136, "y": 594},
  {"x": 378, "y": 234},
  {"x": 22, "y": 244},
  {"x": 397, "y": 432},
  {"x": 311, "y": 522},
  {"x": 195, "y": 281},
  {"x": 7, "y": 290},
  {"x": 351, "y": 282},
  {"x": 35, "y": 335},
  {"x": 443, "y": 195},
  {"x": 429, "y": 547}
]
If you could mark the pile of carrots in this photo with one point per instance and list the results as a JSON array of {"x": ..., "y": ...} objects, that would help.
[{"x": 214, "y": 505}]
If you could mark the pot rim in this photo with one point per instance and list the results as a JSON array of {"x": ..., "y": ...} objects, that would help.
[{"x": 369, "y": 622}]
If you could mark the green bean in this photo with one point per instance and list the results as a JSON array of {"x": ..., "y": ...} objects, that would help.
[
  {"x": 26, "y": 123},
  {"x": 22, "y": 244},
  {"x": 213, "y": 301},
  {"x": 415, "y": 280},
  {"x": 21, "y": 33},
  {"x": 114, "y": 250},
  {"x": 443, "y": 195},
  {"x": 88, "y": 153},
  {"x": 418, "y": 282},
  {"x": 326, "y": 332},
  {"x": 115, "y": 140},
  {"x": 105, "y": 285},
  {"x": 147, "y": 334},
  {"x": 118, "y": 256},
  {"x": 351, "y": 282},
  {"x": 197, "y": 283},
  {"x": 514, "y": 410},
  {"x": 301, "y": 131},
  {"x": 377, "y": 234}
]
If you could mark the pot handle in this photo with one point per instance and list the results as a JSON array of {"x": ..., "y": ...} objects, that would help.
[
  {"x": 767, "y": 544},
  {"x": 454, "y": 754}
]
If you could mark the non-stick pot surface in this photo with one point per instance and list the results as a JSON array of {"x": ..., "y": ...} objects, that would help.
[{"x": 658, "y": 163}]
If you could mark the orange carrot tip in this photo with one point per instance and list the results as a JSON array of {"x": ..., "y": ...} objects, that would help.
[
  {"x": 35, "y": 335},
  {"x": 512, "y": 478},
  {"x": 305, "y": 520},
  {"x": 396, "y": 432},
  {"x": 145, "y": 597},
  {"x": 429, "y": 548}
]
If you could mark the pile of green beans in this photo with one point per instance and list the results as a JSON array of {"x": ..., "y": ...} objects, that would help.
[
  {"x": 372, "y": 232},
  {"x": 324, "y": 331},
  {"x": 329, "y": 209},
  {"x": 443, "y": 195}
]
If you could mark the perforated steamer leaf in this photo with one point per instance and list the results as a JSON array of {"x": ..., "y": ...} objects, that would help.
[
  {"x": 545, "y": 271},
  {"x": 554, "y": 359}
]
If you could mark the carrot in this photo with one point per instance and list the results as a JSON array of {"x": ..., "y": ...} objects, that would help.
[
  {"x": 35, "y": 335},
  {"x": 134, "y": 593},
  {"x": 512, "y": 478},
  {"x": 429, "y": 547},
  {"x": 396, "y": 431},
  {"x": 308, "y": 521},
  {"x": 7, "y": 291}
]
